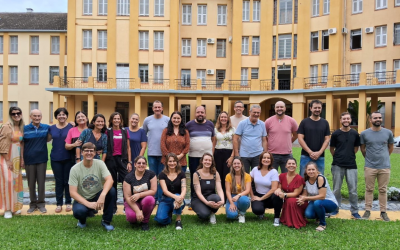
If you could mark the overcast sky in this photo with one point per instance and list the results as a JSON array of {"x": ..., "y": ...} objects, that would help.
[{"x": 36, "y": 5}]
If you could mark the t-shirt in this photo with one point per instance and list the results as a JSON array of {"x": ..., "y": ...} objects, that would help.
[
  {"x": 313, "y": 189},
  {"x": 263, "y": 183},
  {"x": 344, "y": 143},
  {"x": 117, "y": 141},
  {"x": 200, "y": 137},
  {"x": 73, "y": 133},
  {"x": 235, "y": 121},
  {"x": 376, "y": 146},
  {"x": 280, "y": 134},
  {"x": 251, "y": 137},
  {"x": 88, "y": 180},
  {"x": 135, "y": 140},
  {"x": 247, "y": 179},
  {"x": 174, "y": 186},
  {"x": 58, "y": 151},
  {"x": 154, "y": 128},
  {"x": 35, "y": 144},
  {"x": 314, "y": 134},
  {"x": 138, "y": 186},
  {"x": 224, "y": 141}
]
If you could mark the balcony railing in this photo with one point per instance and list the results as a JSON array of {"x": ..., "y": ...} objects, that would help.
[
  {"x": 155, "y": 84},
  {"x": 186, "y": 84},
  {"x": 101, "y": 83},
  {"x": 125, "y": 83},
  {"x": 212, "y": 85},
  {"x": 381, "y": 78},
  {"x": 239, "y": 85},
  {"x": 267, "y": 85},
  {"x": 349, "y": 80},
  {"x": 316, "y": 82},
  {"x": 74, "y": 82}
]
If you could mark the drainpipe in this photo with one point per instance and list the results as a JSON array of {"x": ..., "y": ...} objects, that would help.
[{"x": 344, "y": 39}]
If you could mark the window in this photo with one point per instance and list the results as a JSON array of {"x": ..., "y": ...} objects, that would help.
[
  {"x": 255, "y": 49},
  {"x": 246, "y": 11},
  {"x": 396, "y": 36},
  {"x": 87, "y": 39},
  {"x": 1, "y": 111},
  {"x": 296, "y": 10},
  {"x": 143, "y": 7},
  {"x": 12, "y": 104},
  {"x": 357, "y": 6},
  {"x": 217, "y": 111},
  {"x": 1, "y": 44},
  {"x": 55, "y": 45},
  {"x": 143, "y": 40},
  {"x": 254, "y": 73},
  {"x": 221, "y": 14},
  {"x": 294, "y": 73},
  {"x": 396, "y": 66},
  {"x": 34, "y": 75},
  {"x": 87, "y": 7},
  {"x": 314, "y": 74},
  {"x": 201, "y": 14},
  {"x": 245, "y": 45},
  {"x": 380, "y": 70},
  {"x": 54, "y": 71},
  {"x": 326, "y": 7},
  {"x": 285, "y": 46},
  {"x": 87, "y": 71},
  {"x": 315, "y": 7},
  {"x": 13, "y": 44},
  {"x": 355, "y": 39},
  {"x": 397, "y": 3},
  {"x": 220, "y": 76},
  {"x": 159, "y": 8},
  {"x": 158, "y": 40},
  {"x": 102, "y": 72},
  {"x": 244, "y": 76},
  {"x": 285, "y": 11},
  {"x": 158, "y": 73},
  {"x": 123, "y": 8},
  {"x": 380, "y": 36},
  {"x": 85, "y": 107},
  {"x": 295, "y": 46},
  {"x": 314, "y": 41},
  {"x": 256, "y": 11},
  {"x": 34, "y": 45},
  {"x": 185, "y": 110},
  {"x": 102, "y": 39},
  {"x": 185, "y": 75},
  {"x": 273, "y": 47},
  {"x": 273, "y": 77},
  {"x": 201, "y": 74},
  {"x": 144, "y": 72},
  {"x": 275, "y": 10},
  {"x": 186, "y": 14},
  {"x": 33, "y": 105},
  {"x": 1, "y": 74},
  {"x": 13, "y": 74},
  {"x": 221, "y": 48},
  {"x": 380, "y": 4},
  {"x": 51, "y": 112},
  {"x": 102, "y": 7},
  {"x": 325, "y": 40},
  {"x": 186, "y": 47},
  {"x": 201, "y": 47},
  {"x": 355, "y": 70},
  {"x": 324, "y": 73}
]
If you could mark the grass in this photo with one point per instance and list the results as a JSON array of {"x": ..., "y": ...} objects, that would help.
[{"x": 60, "y": 232}]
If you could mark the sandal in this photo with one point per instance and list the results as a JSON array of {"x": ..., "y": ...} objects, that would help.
[
  {"x": 58, "y": 209},
  {"x": 69, "y": 208},
  {"x": 320, "y": 228}
]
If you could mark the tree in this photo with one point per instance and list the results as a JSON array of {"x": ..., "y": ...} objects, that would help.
[{"x": 353, "y": 108}]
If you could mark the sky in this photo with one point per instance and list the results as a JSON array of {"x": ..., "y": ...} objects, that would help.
[{"x": 36, "y": 5}]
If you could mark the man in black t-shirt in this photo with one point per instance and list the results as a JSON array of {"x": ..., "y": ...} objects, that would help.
[
  {"x": 344, "y": 146},
  {"x": 313, "y": 136}
]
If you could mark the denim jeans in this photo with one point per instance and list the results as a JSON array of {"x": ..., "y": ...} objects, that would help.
[
  {"x": 184, "y": 168},
  {"x": 193, "y": 164},
  {"x": 157, "y": 167},
  {"x": 280, "y": 161},
  {"x": 165, "y": 208},
  {"x": 317, "y": 209},
  {"x": 338, "y": 174},
  {"x": 81, "y": 212},
  {"x": 250, "y": 162},
  {"x": 306, "y": 159},
  {"x": 242, "y": 204},
  {"x": 61, "y": 171}
]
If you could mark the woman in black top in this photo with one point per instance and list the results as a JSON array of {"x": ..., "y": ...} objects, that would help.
[
  {"x": 139, "y": 188},
  {"x": 206, "y": 180},
  {"x": 173, "y": 184}
]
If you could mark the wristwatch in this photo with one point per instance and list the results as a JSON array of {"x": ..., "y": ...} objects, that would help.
[
  {"x": 77, "y": 159},
  {"x": 130, "y": 162}
]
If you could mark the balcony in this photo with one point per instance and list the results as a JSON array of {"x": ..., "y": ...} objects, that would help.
[
  {"x": 267, "y": 85},
  {"x": 316, "y": 82},
  {"x": 381, "y": 78},
  {"x": 155, "y": 84},
  {"x": 349, "y": 80},
  {"x": 239, "y": 85},
  {"x": 186, "y": 84}
]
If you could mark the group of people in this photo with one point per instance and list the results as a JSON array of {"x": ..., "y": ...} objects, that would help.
[{"x": 233, "y": 164}]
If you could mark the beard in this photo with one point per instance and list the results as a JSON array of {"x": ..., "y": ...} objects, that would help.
[
  {"x": 376, "y": 124},
  {"x": 346, "y": 126},
  {"x": 200, "y": 118}
]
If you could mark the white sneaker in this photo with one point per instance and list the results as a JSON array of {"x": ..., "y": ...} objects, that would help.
[
  {"x": 18, "y": 212},
  {"x": 7, "y": 215},
  {"x": 241, "y": 218},
  {"x": 276, "y": 222},
  {"x": 213, "y": 220}
]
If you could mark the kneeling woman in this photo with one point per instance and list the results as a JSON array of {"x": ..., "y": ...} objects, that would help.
[
  {"x": 238, "y": 185},
  {"x": 290, "y": 187},
  {"x": 173, "y": 184},
  {"x": 139, "y": 188},
  {"x": 319, "y": 196},
  {"x": 206, "y": 180}
]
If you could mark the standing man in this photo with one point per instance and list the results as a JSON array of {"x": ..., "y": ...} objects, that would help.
[
  {"x": 202, "y": 136},
  {"x": 238, "y": 116},
  {"x": 153, "y": 126},
  {"x": 376, "y": 147},
  {"x": 282, "y": 132},
  {"x": 252, "y": 135},
  {"x": 344, "y": 146},
  {"x": 313, "y": 134},
  {"x": 86, "y": 187},
  {"x": 35, "y": 157}
]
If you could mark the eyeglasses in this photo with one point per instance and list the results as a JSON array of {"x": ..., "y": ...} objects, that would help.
[
  {"x": 16, "y": 114},
  {"x": 88, "y": 151}
]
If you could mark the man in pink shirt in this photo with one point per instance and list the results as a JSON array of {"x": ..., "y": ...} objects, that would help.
[{"x": 282, "y": 132}]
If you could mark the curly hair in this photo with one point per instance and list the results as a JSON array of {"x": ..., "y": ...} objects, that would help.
[{"x": 178, "y": 167}]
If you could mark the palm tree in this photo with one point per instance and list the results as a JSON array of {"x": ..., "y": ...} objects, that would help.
[{"x": 354, "y": 107}]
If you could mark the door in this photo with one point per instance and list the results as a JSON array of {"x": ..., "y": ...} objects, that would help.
[
  {"x": 185, "y": 110},
  {"x": 220, "y": 77},
  {"x": 284, "y": 77},
  {"x": 123, "y": 109},
  {"x": 122, "y": 76}
]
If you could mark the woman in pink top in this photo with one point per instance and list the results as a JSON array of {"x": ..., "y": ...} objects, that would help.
[{"x": 72, "y": 141}]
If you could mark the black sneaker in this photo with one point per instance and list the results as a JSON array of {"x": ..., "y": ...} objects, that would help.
[
  {"x": 384, "y": 216},
  {"x": 145, "y": 227},
  {"x": 178, "y": 225}
]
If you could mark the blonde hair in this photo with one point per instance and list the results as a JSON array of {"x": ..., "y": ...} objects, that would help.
[
  {"x": 228, "y": 123},
  {"x": 11, "y": 121}
]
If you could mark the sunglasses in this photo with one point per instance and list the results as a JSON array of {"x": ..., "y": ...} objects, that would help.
[{"x": 16, "y": 114}]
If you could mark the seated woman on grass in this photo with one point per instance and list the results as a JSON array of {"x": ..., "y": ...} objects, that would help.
[
  {"x": 290, "y": 187},
  {"x": 318, "y": 194},
  {"x": 173, "y": 184},
  {"x": 139, "y": 188},
  {"x": 206, "y": 180}
]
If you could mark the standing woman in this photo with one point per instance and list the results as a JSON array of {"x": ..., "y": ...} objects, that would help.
[
  {"x": 72, "y": 141},
  {"x": 290, "y": 187},
  {"x": 11, "y": 162},
  {"x": 265, "y": 179},
  {"x": 61, "y": 162},
  {"x": 95, "y": 133},
  {"x": 319, "y": 195},
  {"x": 137, "y": 137},
  {"x": 223, "y": 146},
  {"x": 206, "y": 180},
  {"x": 175, "y": 139},
  {"x": 118, "y": 159}
]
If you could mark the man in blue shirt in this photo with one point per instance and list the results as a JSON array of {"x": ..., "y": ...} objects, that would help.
[{"x": 35, "y": 158}]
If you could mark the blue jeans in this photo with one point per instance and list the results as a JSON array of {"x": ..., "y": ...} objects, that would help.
[
  {"x": 317, "y": 209},
  {"x": 306, "y": 159},
  {"x": 61, "y": 171},
  {"x": 242, "y": 204},
  {"x": 184, "y": 168},
  {"x": 165, "y": 208},
  {"x": 157, "y": 167}
]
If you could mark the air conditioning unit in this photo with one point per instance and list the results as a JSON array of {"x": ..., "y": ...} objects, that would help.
[
  {"x": 332, "y": 31},
  {"x": 344, "y": 30},
  {"x": 210, "y": 72},
  {"x": 369, "y": 30},
  {"x": 210, "y": 40}
]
